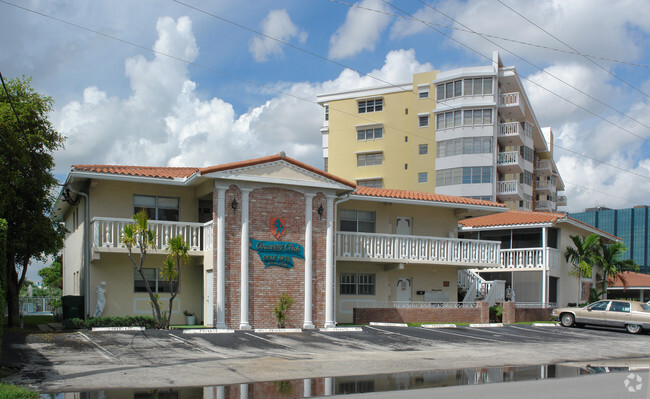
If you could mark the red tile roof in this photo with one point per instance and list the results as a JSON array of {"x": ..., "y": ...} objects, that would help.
[
  {"x": 632, "y": 279},
  {"x": 512, "y": 218},
  {"x": 162, "y": 172},
  {"x": 143, "y": 171},
  {"x": 518, "y": 218},
  {"x": 415, "y": 195}
]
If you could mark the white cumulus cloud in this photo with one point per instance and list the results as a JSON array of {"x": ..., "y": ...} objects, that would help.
[
  {"x": 278, "y": 25},
  {"x": 361, "y": 30}
]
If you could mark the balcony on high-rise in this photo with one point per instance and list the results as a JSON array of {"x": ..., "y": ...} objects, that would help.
[
  {"x": 511, "y": 106},
  {"x": 510, "y": 162},
  {"x": 544, "y": 167},
  {"x": 515, "y": 134}
]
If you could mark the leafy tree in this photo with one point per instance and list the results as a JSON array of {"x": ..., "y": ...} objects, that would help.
[
  {"x": 3, "y": 265},
  {"x": 53, "y": 274},
  {"x": 609, "y": 259},
  {"x": 582, "y": 256},
  {"x": 27, "y": 141},
  {"x": 139, "y": 235},
  {"x": 171, "y": 271}
]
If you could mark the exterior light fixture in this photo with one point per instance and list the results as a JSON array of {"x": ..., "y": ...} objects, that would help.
[
  {"x": 233, "y": 204},
  {"x": 320, "y": 211}
]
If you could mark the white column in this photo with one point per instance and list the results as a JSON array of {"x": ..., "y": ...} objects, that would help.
[
  {"x": 306, "y": 388},
  {"x": 243, "y": 391},
  {"x": 329, "y": 385},
  {"x": 244, "y": 324},
  {"x": 329, "y": 265},
  {"x": 545, "y": 263},
  {"x": 309, "y": 200},
  {"x": 221, "y": 257}
]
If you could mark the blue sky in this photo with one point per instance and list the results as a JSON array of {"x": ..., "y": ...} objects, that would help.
[{"x": 232, "y": 95}]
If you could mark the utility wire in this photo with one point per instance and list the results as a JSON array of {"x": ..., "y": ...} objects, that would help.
[
  {"x": 543, "y": 71},
  {"x": 576, "y": 51},
  {"x": 413, "y": 18},
  {"x": 221, "y": 72}
]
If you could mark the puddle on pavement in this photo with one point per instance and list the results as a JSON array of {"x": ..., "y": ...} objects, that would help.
[{"x": 325, "y": 386}]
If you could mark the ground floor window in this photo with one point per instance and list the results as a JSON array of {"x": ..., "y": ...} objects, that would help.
[
  {"x": 152, "y": 275},
  {"x": 357, "y": 284}
]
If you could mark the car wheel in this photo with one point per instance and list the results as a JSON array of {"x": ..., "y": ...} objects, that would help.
[
  {"x": 633, "y": 328},
  {"x": 567, "y": 319}
]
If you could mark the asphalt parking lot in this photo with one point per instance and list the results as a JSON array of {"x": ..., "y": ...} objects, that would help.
[{"x": 89, "y": 360}]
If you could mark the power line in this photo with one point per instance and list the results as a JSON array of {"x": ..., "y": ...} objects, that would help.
[
  {"x": 413, "y": 18},
  {"x": 545, "y": 72},
  {"x": 576, "y": 51},
  {"x": 221, "y": 72}
]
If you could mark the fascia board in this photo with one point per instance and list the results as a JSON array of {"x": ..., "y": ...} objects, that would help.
[
  {"x": 134, "y": 179},
  {"x": 364, "y": 93},
  {"x": 505, "y": 226},
  {"x": 279, "y": 181},
  {"x": 428, "y": 203}
]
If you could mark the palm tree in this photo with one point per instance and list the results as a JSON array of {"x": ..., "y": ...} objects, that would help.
[
  {"x": 139, "y": 235},
  {"x": 177, "y": 253},
  {"x": 582, "y": 256},
  {"x": 609, "y": 259}
]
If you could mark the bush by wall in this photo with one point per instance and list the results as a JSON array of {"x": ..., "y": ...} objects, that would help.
[{"x": 115, "y": 321}]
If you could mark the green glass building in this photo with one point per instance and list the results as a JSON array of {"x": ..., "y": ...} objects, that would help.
[{"x": 630, "y": 224}]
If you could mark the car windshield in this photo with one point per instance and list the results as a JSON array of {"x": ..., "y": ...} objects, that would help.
[{"x": 645, "y": 307}]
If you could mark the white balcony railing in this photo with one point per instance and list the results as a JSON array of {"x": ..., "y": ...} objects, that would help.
[
  {"x": 394, "y": 247},
  {"x": 508, "y": 158},
  {"x": 509, "y": 99},
  {"x": 522, "y": 258},
  {"x": 544, "y": 167},
  {"x": 544, "y": 205},
  {"x": 561, "y": 200},
  {"x": 107, "y": 233},
  {"x": 509, "y": 187}
]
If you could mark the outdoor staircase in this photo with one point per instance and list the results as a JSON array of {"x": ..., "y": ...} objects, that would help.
[{"x": 478, "y": 289}]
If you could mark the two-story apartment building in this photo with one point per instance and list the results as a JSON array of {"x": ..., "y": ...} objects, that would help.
[
  {"x": 468, "y": 132},
  {"x": 268, "y": 226}
]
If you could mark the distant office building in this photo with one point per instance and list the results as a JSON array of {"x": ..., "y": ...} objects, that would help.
[{"x": 629, "y": 224}]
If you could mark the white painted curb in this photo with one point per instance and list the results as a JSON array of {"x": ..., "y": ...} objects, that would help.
[
  {"x": 438, "y": 326},
  {"x": 208, "y": 331},
  {"x": 481, "y": 325},
  {"x": 342, "y": 329},
  {"x": 545, "y": 324},
  {"x": 278, "y": 330},
  {"x": 117, "y": 329},
  {"x": 378, "y": 324}
]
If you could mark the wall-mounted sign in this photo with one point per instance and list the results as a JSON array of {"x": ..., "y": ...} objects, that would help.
[
  {"x": 277, "y": 228},
  {"x": 277, "y": 253}
]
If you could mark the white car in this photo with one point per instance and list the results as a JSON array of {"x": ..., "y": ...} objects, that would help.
[{"x": 632, "y": 315}]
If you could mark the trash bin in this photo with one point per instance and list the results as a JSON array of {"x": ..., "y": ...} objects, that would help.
[{"x": 73, "y": 307}]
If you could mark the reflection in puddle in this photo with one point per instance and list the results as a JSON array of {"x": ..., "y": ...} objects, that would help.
[{"x": 313, "y": 387}]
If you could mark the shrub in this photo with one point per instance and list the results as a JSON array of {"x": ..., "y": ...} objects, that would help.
[
  {"x": 496, "y": 312},
  {"x": 282, "y": 309},
  {"x": 114, "y": 321}
]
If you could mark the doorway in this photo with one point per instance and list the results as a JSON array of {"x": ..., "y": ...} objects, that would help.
[
  {"x": 404, "y": 226},
  {"x": 403, "y": 289}
]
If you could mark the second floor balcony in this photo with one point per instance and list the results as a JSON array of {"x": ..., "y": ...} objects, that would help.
[
  {"x": 106, "y": 235},
  {"x": 393, "y": 248}
]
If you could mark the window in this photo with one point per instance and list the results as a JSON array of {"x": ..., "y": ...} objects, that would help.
[
  {"x": 357, "y": 284},
  {"x": 464, "y": 146},
  {"x": 526, "y": 153},
  {"x": 467, "y": 175},
  {"x": 479, "y": 197},
  {"x": 376, "y": 183},
  {"x": 423, "y": 120},
  {"x": 156, "y": 283},
  {"x": 327, "y": 112},
  {"x": 423, "y": 177},
  {"x": 423, "y": 149},
  {"x": 468, "y": 117},
  {"x": 601, "y": 305},
  {"x": 526, "y": 178},
  {"x": 620, "y": 307},
  {"x": 423, "y": 91},
  {"x": 369, "y": 159},
  {"x": 373, "y": 133},
  {"x": 371, "y": 105},
  {"x": 325, "y": 164},
  {"x": 357, "y": 221},
  {"x": 157, "y": 208},
  {"x": 465, "y": 87}
]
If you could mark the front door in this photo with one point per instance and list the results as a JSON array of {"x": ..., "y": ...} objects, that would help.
[
  {"x": 404, "y": 225},
  {"x": 209, "y": 303},
  {"x": 403, "y": 289}
]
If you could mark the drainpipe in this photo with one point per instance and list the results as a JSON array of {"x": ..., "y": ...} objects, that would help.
[
  {"x": 545, "y": 264},
  {"x": 85, "y": 252}
]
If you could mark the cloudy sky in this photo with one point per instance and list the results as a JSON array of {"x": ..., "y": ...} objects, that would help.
[{"x": 199, "y": 82}]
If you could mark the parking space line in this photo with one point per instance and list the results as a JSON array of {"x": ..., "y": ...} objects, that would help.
[
  {"x": 190, "y": 344},
  {"x": 103, "y": 351},
  {"x": 392, "y": 333},
  {"x": 269, "y": 341},
  {"x": 458, "y": 334}
]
